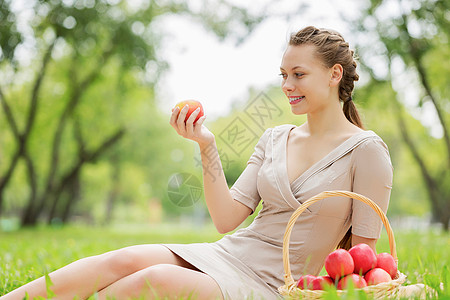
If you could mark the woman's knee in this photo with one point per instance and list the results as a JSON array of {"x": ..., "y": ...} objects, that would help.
[
  {"x": 158, "y": 277},
  {"x": 121, "y": 262}
]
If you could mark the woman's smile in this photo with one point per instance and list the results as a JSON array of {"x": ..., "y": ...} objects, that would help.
[{"x": 295, "y": 99}]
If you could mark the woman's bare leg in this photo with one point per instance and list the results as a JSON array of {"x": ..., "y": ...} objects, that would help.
[
  {"x": 86, "y": 276},
  {"x": 163, "y": 281}
]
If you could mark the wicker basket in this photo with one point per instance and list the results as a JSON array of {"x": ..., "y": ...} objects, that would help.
[{"x": 379, "y": 291}]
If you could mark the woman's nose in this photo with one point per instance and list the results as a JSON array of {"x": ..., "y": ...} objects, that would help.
[{"x": 287, "y": 86}]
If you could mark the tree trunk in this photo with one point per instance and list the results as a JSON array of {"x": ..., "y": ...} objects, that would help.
[
  {"x": 114, "y": 192},
  {"x": 74, "y": 195},
  {"x": 434, "y": 190},
  {"x": 417, "y": 58},
  {"x": 4, "y": 180},
  {"x": 83, "y": 158},
  {"x": 77, "y": 92},
  {"x": 31, "y": 206},
  {"x": 22, "y": 138}
]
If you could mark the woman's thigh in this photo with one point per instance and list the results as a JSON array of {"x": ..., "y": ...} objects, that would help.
[
  {"x": 163, "y": 281},
  {"x": 118, "y": 264},
  {"x": 137, "y": 257}
]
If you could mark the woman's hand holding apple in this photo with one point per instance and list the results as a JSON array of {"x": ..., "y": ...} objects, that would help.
[{"x": 187, "y": 124}]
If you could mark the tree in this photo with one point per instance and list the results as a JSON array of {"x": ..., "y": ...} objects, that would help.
[
  {"x": 85, "y": 48},
  {"x": 413, "y": 39}
]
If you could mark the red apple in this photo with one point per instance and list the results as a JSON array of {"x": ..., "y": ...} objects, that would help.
[
  {"x": 305, "y": 282},
  {"x": 364, "y": 258},
  {"x": 377, "y": 275},
  {"x": 193, "y": 105},
  {"x": 339, "y": 263},
  {"x": 386, "y": 262},
  {"x": 321, "y": 282},
  {"x": 358, "y": 281}
]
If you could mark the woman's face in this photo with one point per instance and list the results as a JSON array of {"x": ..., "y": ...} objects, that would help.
[{"x": 306, "y": 81}]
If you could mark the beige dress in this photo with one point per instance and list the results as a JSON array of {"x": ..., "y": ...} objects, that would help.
[{"x": 248, "y": 263}]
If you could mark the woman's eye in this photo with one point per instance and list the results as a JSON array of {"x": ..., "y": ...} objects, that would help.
[
  {"x": 283, "y": 75},
  {"x": 299, "y": 74}
]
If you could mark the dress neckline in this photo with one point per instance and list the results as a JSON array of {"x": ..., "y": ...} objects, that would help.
[
  {"x": 278, "y": 141},
  {"x": 324, "y": 158}
]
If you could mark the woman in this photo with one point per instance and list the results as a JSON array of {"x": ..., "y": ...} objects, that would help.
[{"x": 330, "y": 151}]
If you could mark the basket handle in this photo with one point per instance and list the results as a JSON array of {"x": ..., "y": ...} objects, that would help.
[{"x": 289, "y": 281}]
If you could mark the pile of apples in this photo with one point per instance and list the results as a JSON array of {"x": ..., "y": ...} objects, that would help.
[{"x": 359, "y": 265}]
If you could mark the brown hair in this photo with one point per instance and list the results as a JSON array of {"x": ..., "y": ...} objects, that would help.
[{"x": 333, "y": 49}]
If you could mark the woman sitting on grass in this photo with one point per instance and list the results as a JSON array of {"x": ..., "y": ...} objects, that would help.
[{"x": 330, "y": 151}]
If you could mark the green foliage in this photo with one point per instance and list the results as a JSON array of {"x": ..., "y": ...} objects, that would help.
[
  {"x": 9, "y": 34},
  {"x": 100, "y": 80},
  {"x": 412, "y": 42},
  {"x": 81, "y": 118}
]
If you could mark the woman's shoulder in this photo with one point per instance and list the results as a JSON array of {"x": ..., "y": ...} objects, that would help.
[
  {"x": 371, "y": 159},
  {"x": 372, "y": 139},
  {"x": 371, "y": 146}
]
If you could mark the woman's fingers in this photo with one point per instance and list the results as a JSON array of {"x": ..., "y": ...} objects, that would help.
[
  {"x": 180, "y": 121},
  {"x": 200, "y": 121},
  {"x": 198, "y": 125},
  {"x": 187, "y": 129},
  {"x": 190, "y": 122},
  {"x": 174, "y": 116}
]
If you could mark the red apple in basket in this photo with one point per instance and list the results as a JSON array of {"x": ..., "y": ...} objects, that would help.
[
  {"x": 364, "y": 258},
  {"x": 322, "y": 282},
  {"x": 376, "y": 276},
  {"x": 193, "y": 105},
  {"x": 358, "y": 281},
  {"x": 339, "y": 263},
  {"x": 305, "y": 282},
  {"x": 386, "y": 262}
]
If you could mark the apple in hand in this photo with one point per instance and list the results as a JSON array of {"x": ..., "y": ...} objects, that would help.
[
  {"x": 193, "y": 105},
  {"x": 376, "y": 276},
  {"x": 305, "y": 282},
  {"x": 321, "y": 282},
  {"x": 386, "y": 262},
  {"x": 339, "y": 263},
  {"x": 358, "y": 281},
  {"x": 364, "y": 258}
]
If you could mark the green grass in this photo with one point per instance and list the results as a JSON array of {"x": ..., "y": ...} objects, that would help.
[{"x": 27, "y": 254}]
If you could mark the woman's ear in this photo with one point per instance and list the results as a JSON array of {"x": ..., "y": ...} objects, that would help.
[{"x": 336, "y": 72}]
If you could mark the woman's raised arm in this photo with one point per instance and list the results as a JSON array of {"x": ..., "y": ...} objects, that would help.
[{"x": 225, "y": 212}]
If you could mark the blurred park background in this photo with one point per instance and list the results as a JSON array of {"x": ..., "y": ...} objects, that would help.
[{"x": 86, "y": 88}]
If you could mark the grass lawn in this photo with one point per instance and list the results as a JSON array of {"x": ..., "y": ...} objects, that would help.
[{"x": 27, "y": 254}]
